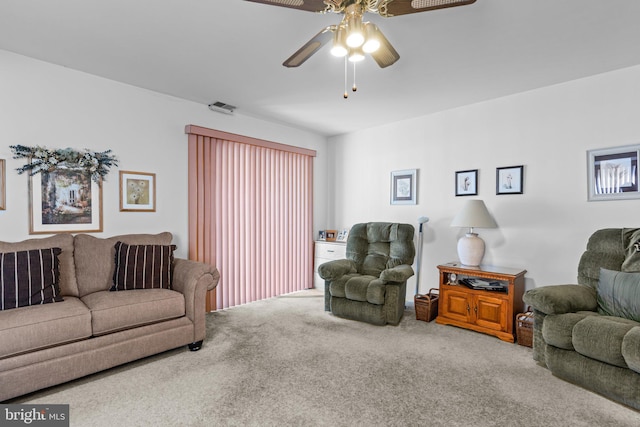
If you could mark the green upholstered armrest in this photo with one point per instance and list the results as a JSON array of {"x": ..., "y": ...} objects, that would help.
[
  {"x": 398, "y": 273},
  {"x": 560, "y": 299},
  {"x": 334, "y": 269}
]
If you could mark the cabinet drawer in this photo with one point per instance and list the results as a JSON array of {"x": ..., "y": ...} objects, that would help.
[{"x": 331, "y": 251}]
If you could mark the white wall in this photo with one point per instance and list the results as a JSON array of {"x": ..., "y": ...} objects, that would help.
[
  {"x": 52, "y": 106},
  {"x": 548, "y": 131}
]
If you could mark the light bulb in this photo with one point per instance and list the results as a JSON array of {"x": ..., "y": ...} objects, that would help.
[
  {"x": 356, "y": 55},
  {"x": 355, "y": 39}
]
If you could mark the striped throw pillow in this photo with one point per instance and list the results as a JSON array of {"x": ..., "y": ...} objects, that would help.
[
  {"x": 29, "y": 278},
  {"x": 142, "y": 266}
]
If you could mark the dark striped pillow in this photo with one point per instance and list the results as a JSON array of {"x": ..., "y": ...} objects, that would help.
[
  {"x": 142, "y": 266},
  {"x": 29, "y": 278}
]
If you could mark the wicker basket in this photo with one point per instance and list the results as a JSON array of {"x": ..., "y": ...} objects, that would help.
[
  {"x": 524, "y": 328},
  {"x": 426, "y": 306}
]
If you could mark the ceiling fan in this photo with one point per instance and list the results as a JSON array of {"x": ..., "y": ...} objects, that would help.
[{"x": 352, "y": 37}]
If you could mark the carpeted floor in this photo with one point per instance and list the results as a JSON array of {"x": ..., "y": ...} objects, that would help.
[{"x": 286, "y": 362}]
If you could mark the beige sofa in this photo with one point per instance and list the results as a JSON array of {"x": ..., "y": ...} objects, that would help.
[{"x": 93, "y": 328}]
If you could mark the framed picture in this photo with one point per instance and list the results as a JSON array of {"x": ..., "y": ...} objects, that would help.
[
  {"x": 403, "y": 187},
  {"x": 3, "y": 185},
  {"x": 65, "y": 200},
  {"x": 612, "y": 173},
  {"x": 467, "y": 183},
  {"x": 332, "y": 235},
  {"x": 342, "y": 235},
  {"x": 137, "y": 192},
  {"x": 509, "y": 180},
  {"x": 322, "y": 235}
]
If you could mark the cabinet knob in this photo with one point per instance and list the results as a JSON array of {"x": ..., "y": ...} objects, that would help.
[{"x": 330, "y": 250}]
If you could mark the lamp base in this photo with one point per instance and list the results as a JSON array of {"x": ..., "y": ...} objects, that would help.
[{"x": 470, "y": 249}]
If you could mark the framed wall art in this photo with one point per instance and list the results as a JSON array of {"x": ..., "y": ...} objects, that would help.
[
  {"x": 612, "y": 173},
  {"x": 403, "y": 187},
  {"x": 3, "y": 185},
  {"x": 509, "y": 180},
  {"x": 137, "y": 192},
  {"x": 64, "y": 200},
  {"x": 467, "y": 183}
]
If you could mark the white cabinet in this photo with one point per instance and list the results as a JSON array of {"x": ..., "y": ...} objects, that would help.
[{"x": 324, "y": 252}]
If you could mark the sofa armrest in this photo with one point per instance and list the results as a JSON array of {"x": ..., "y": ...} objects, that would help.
[
  {"x": 193, "y": 279},
  {"x": 560, "y": 299},
  {"x": 334, "y": 269},
  {"x": 399, "y": 273}
]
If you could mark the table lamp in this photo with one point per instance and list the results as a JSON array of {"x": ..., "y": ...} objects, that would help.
[{"x": 474, "y": 214}]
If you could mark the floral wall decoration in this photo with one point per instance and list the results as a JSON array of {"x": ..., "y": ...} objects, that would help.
[{"x": 42, "y": 159}]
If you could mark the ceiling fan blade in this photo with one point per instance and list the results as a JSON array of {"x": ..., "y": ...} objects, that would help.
[
  {"x": 404, "y": 7},
  {"x": 386, "y": 54},
  {"x": 310, "y": 47},
  {"x": 308, "y": 5}
]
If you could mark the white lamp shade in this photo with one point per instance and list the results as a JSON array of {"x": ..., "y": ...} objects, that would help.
[
  {"x": 470, "y": 246},
  {"x": 474, "y": 214}
]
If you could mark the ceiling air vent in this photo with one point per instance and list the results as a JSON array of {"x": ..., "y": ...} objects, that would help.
[{"x": 221, "y": 107}]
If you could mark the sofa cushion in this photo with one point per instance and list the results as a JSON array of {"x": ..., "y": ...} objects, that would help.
[
  {"x": 142, "y": 267},
  {"x": 68, "y": 284},
  {"x": 114, "y": 311},
  {"x": 32, "y": 328},
  {"x": 29, "y": 278},
  {"x": 630, "y": 349},
  {"x": 557, "y": 329},
  {"x": 365, "y": 288},
  {"x": 600, "y": 338},
  {"x": 619, "y": 294},
  {"x": 94, "y": 258}
]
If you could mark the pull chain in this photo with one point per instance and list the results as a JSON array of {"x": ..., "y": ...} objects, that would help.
[
  {"x": 346, "y": 94},
  {"x": 354, "y": 87}
]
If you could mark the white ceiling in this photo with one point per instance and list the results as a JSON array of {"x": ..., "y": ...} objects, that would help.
[{"x": 232, "y": 51}]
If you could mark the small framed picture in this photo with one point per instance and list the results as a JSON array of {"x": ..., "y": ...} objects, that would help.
[
  {"x": 403, "y": 187},
  {"x": 322, "y": 235},
  {"x": 467, "y": 183},
  {"x": 137, "y": 192},
  {"x": 332, "y": 235},
  {"x": 613, "y": 173},
  {"x": 3, "y": 185},
  {"x": 509, "y": 180},
  {"x": 342, "y": 235}
]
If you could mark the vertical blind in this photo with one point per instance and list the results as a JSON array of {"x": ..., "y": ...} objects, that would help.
[{"x": 250, "y": 215}]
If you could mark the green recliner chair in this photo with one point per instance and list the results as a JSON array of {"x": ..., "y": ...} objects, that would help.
[{"x": 370, "y": 285}]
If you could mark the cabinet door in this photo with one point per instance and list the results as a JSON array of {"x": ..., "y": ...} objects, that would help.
[
  {"x": 490, "y": 312},
  {"x": 456, "y": 305}
]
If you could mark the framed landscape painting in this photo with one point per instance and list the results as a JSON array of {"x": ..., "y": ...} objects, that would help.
[{"x": 65, "y": 200}]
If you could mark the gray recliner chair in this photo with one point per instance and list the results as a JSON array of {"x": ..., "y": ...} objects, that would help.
[{"x": 370, "y": 285}]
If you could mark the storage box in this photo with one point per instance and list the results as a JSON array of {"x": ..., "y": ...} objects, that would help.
[
  {"x": 426, "y": 306},
  {"x": 524, "y": 328}
]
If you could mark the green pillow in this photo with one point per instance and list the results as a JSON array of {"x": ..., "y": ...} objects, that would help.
[{"x": 619, "y": 294}]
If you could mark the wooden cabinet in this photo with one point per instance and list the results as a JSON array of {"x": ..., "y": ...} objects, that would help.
[
  {"x": 490, "y": 312},
  {"x": 324, "y": 252}
]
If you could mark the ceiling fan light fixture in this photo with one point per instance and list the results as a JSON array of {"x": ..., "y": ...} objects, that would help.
[
  {"x": 339, "y": 47},
  {"x": 372, "y": 41}
]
